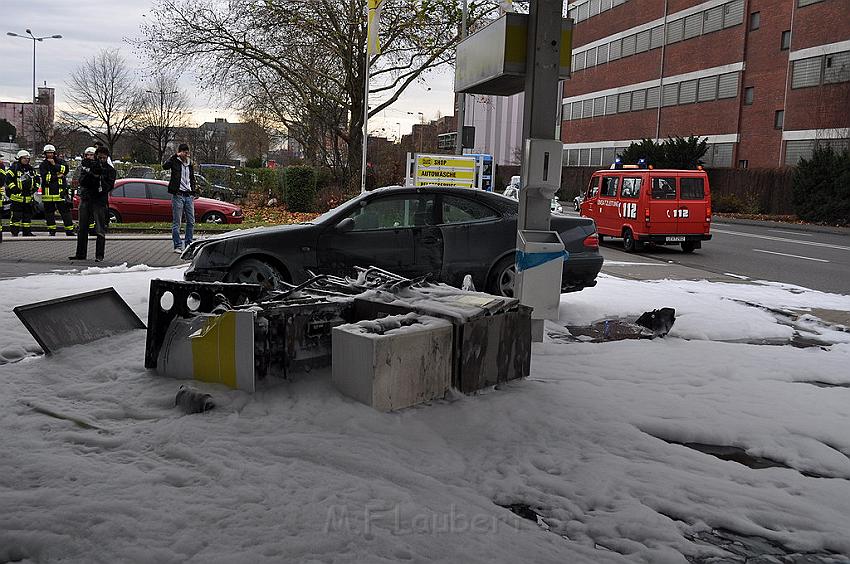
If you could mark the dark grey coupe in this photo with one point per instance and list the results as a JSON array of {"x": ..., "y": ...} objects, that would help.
[{"x": 445, "y": 232}]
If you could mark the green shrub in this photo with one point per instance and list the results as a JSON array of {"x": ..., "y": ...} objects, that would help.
[
  {"x": 300, "y": 192},
  {"x": 675, "y": 152},
  {"x": 821, "y": 187}
]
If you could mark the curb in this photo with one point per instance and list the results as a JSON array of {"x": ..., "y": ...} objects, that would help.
[{"x": 791, "y": 226}]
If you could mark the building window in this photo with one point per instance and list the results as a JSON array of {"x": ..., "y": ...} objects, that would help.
[
  {"x": 785, "y": 42},
  {"x": 778, "y": 119},
  {"x": 670, "y": 95},
  {"x": 806, "y": 72},
  {"x": 693, "y": 25},
  {"x": 707, "y": 89},
  {"x": 755, "y": 21},
  {"x": 748, "y": 95},
  {"x": 713, "y": 20},
  {"x": 743, "y": 163},
  {"x": 625, "y": 102},
  {"x": 675, "y": 31},
  {"x": 733, "y": 13},
  {"x": 837, "y": 68},
  {"x": 611, "y": 104},
  {"x": 801, "y": 3},
  {"x": 688, "y": 92},
  {"x": 727, "y": 85}
]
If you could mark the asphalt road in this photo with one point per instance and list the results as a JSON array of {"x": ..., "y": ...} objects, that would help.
[{"x": 776, "y": 252}]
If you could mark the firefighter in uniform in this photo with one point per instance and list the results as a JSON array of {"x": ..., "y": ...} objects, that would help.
[
  {"x": 54, "y": 191},
  {"x": 2, "y": 195},
  {"x": 21, "y": 186}
]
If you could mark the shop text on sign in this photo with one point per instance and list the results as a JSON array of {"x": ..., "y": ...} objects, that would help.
[{"x": 440, "y": 170}]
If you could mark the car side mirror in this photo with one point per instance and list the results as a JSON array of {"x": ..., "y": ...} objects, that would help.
[{"x": 345, "y": 225}]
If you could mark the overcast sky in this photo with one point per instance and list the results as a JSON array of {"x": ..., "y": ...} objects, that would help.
[{"x": 87, "y": 26}]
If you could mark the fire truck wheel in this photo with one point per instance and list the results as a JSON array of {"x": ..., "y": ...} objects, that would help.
[
  {"x": 629, "y": 243},
  {"x": 688, "y": 247}
]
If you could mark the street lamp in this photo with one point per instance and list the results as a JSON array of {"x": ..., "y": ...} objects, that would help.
[{"x": 33, "y": 39}]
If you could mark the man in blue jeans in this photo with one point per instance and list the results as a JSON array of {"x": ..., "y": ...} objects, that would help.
[{"x": 181, "y": 186}]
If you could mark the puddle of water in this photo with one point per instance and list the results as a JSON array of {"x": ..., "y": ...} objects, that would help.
[{"x": 734, "y": 454}]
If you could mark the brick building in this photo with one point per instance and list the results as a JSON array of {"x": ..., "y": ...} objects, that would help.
[
  {"x": 20, "y": 116},
  {"x": 762, "y": 80}
]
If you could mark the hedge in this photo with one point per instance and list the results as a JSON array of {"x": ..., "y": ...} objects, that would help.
[{"x": 300, "y": 192}]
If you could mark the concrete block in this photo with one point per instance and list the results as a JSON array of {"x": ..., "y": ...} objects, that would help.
[{"x": 394, "y": 362}]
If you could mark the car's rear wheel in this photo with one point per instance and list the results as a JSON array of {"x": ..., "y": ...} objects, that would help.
[
  {"x": 688, "y": 247},
  {"x": 255, "y": 271},
  {"x": 503, "y": 278},
  {"x": 114, "y": 216},
  {"x": 630, "y": 245},
  {"x": 601, "y": 237},
  {"x": 214, "y": 217}
]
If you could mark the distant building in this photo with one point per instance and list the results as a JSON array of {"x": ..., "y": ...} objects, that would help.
[
  {"x": 761, "y": 80},
  {"x": 20, "y": 116}
]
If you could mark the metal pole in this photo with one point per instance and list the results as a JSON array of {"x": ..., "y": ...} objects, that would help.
[
  {"x": 540, "y": 107},
  {"x": 461, "y": 106},
  {"x": 32, "y": 114},
  {"x": 365, "y": 126}
]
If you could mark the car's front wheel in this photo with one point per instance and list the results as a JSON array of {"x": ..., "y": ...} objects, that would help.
[
  {"x": 114, "y": 216},
  {"x": 214, "y": 217},
  {"x": 255, "y": 271},
  {"x": 503, "y": 278}
]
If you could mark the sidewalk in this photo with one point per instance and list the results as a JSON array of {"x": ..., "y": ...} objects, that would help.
[
  {"x": 804, "y": 227},
  {"x": 152, "y": 250}
]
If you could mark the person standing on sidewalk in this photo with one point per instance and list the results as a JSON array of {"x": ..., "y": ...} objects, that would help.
[
  {"x": 181, "y": 186},
  {"x": 21, "y": 186},
  {"x": 54, "y": 192},
  {"x": 97, "y": 179}
]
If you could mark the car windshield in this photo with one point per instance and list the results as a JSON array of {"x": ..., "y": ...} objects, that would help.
[{"x": 332, "y": 212}]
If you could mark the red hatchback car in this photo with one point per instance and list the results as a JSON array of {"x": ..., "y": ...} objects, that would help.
[{"x": 143, "y": 199}]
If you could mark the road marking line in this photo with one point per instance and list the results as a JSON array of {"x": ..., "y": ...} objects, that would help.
[
  {"x": 787, "y": 255},
  {"x": 783, "y": 240},
  {"x": 793, "y": 233},
  {"x": 739, "y": 276}
]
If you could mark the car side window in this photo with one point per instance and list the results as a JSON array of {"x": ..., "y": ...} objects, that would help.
[
  {"x": 593, "y": 188},
  {"x": 117, "y": 192},
  {"x": 461, "y": 210},
  {"x": 631, "y": 188},
  {"x": 609, "y": 186},
  {"x": 393, "y": 212},
  {"x": 691, "y": 188},
  {"x": 135, "y": 190},
  {"x": 159, "y": 192},
  {"x": 664, "y": 188}
]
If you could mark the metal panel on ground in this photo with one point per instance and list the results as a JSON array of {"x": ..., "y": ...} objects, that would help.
[{"x": 78, "y": 319}]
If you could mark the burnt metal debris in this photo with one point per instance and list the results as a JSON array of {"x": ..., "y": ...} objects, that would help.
[
  {"x": 650, "y": 324},
  {"x": 293, "y": 324}
]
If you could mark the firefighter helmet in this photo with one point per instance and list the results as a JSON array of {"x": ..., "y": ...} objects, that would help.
[
  {"x": 49, "y": 149},
  {"x": 23, "y": 154}
]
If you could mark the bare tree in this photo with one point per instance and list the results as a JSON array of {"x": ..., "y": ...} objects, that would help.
[
  {"x": 103, "y": 97},
  {"x": 303, "y": 63},
  {"x": 163, "y": 111},
  {"x": 42, "y": 125},
  {"x": 254, "y": 136}
]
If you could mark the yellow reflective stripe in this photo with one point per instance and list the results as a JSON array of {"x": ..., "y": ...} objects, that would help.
[{"x": 214, "y": 350}]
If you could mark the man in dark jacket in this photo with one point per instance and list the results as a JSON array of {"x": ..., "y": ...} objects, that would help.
[
  {"x": 21, "y": 186},
  {"x": 54, "y": 191},
  {"x": 181, "y": 186},
  {"x": 97, "y": 179}
]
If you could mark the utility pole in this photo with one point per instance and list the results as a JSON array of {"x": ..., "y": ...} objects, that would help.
[{"x": 461, "y": 106}]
